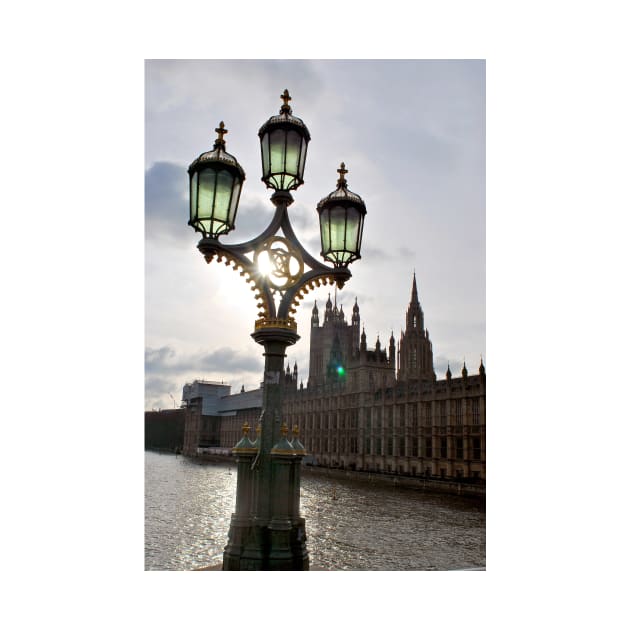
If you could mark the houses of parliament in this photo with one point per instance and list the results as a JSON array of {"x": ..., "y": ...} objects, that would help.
[{"x": 378, "y": 409}]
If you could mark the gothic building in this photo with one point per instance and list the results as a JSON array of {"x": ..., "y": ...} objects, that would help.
[
  {"x": 373, "y": 409},
  {"x": 386, "y": 411},
  {"x": 337, "y": 356}
]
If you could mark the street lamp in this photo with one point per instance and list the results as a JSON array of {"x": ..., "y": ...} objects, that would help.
[
  {"x": 341, "y": 217},
  {"x": 266, "y": 529},
  {"x": 283, "y": 142},
  {"x": 216, "y": 179}
]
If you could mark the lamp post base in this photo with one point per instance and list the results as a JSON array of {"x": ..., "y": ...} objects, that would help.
[
  {"x": 266, "y": 531},
  {"x": 272, "y": 547}
]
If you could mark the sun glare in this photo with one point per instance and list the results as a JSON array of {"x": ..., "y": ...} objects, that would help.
[{"x": 264, "y": 264}]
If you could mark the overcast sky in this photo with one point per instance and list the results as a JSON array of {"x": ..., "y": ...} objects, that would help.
[{"x": 412, "y": 136}]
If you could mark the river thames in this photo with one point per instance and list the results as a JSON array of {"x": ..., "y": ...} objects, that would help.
[{"x": 351, "y": 525}]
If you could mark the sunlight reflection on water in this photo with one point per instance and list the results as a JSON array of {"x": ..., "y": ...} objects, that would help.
[{"x": 351, "y": 525}]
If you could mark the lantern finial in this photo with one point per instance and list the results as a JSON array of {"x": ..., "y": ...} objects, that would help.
[
  {"x": 341, "y": 182},
  {"x": 221, "y": 131},
  {"x": 286, "y": 98}
]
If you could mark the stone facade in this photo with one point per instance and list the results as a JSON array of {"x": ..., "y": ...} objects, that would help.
[{"x": 385, "y": 413}]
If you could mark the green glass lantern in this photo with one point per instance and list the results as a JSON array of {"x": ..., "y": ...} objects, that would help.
[
  {"x": 283, "y": 142},
  {"x": 341, "y": 216},
  {"x": 216, "y": 179}
]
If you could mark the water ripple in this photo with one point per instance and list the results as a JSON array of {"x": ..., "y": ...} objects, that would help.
[{"x": 350, "y": 524}]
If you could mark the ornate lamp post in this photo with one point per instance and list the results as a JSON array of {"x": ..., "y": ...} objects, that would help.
[{"x": 266, "y": 530}]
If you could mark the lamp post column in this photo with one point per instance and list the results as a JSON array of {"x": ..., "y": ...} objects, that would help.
[
  {"x": 275, "y": 342},
  {"x": 269, "y": 546},
  {"x": 240, "y": 523}
]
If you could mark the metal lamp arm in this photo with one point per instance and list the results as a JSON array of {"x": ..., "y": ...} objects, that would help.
[
  {"x": 319, "y": 274},
  {"x": 311, "y": 279},
  {"x": 235, "y": 254},
  {"x": 287, "y": 230},
  {"x": 270, "y": 230}
]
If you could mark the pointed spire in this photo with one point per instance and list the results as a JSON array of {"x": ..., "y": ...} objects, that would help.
[
  {"x": 355, "y": 308},
  {"x": 482, "y": 369},
  {"x": 329, "y": 312},
  {"x": 315, "y": 316},
  {"x": 464, "y": 370},
  {"x": 448, "y": 372},
  {"x": 415, "y": 316},
  {"x": 392, "y": 349},
  {"x": 414, "y": 290}
]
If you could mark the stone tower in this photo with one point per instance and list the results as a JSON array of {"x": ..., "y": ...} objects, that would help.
[
  {"x": 334, "y": 340},
  {"x": 415, "y": 357}
]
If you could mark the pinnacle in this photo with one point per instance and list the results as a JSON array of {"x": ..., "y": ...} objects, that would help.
[{"x": 414, "y": 290}]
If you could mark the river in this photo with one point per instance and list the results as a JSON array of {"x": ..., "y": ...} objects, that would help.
[{"x": 351, "y": 525}]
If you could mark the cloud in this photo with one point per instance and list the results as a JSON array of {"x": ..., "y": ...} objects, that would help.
[
  {"x": 166, "y": 201},
  {"x": 155, "y": 358},
  {"x": 374, "y": 253},
  {"x": 252, "y": 217},
  {"x": 226, "y": 359},
  {"x": 173, "y": 85},
  {"x": 157, "y": 390},
  {"x": 405, "y": 252},
  {"x": 304, "y": 218},
  {"x": 165, "y": 360},
  {"x": 167, "y": 370},
  {"x": 156, "y": 386}
]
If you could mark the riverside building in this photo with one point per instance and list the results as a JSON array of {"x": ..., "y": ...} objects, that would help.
[
  {"x": 385, "y": 410},
  {"x": 367, "y": 409}
]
